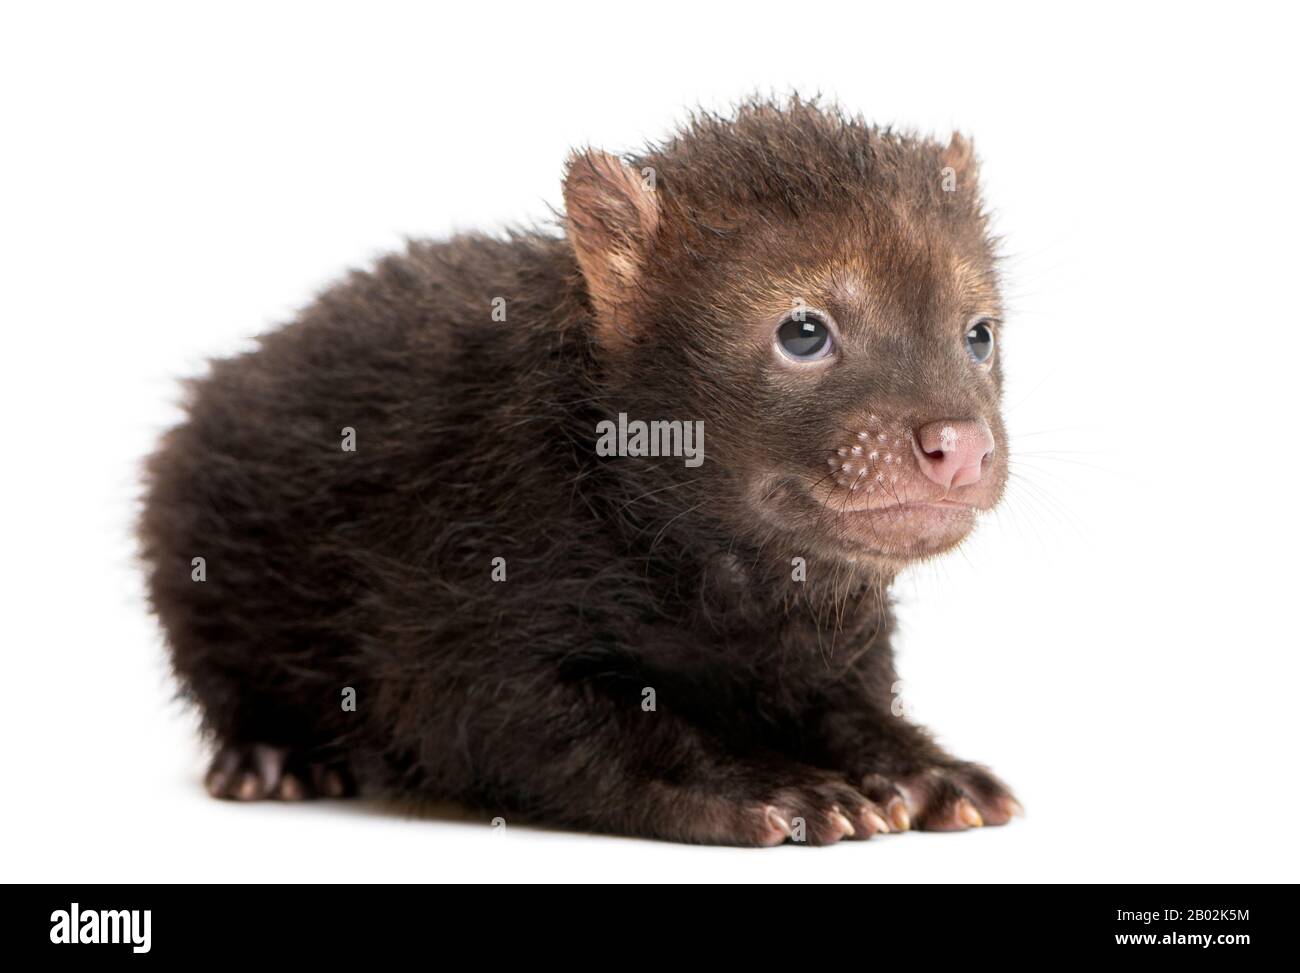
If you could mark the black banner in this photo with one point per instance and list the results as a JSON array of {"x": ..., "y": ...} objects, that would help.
[{"x": 254, "y": 923}]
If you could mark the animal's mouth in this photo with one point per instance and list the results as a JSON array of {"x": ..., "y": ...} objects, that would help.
[
  {"x": 888, "y": 507},
  {"x": 899, "y": 529},
  {"x": 893, "y": 528},
  {"x": 904, "y": 531}
]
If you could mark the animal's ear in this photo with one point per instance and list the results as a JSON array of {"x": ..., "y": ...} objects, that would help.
[
  {"x": 611, "y": 217},
  {"x": 959, "y": 156}
]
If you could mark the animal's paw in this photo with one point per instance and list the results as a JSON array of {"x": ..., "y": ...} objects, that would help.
[
  {"x": 944, "y": 798},
  {"x": 815, "y": 811},
  {"x": 260, "y": 772}
]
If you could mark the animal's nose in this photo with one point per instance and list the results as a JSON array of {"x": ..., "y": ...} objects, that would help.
[{"x": 951, "y": 452}]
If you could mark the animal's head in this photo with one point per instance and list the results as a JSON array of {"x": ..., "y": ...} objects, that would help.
[{"x": 822, "y": 295}]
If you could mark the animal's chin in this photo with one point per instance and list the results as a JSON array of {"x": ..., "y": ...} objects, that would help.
[
  {"x": 894, "y": 533},
  {"x": 903, "y": 532}
]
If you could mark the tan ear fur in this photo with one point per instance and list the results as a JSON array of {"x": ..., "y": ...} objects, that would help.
[
  {"x": 611, "y": 217},
  {"x": 960, "y": 157}
]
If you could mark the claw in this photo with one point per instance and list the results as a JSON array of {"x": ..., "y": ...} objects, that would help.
[
  {"x": 290, "y": 789},
  {"x": 902, "y": 820},
  {"x": 775, "y": 819},
  {"x": 878, "y": 823},
  {"x": 249, "y": 787}
]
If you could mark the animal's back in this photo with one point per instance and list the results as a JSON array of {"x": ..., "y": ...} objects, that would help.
[{"x": 315, "y": 477}]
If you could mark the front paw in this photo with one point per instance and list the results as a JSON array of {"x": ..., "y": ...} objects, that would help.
[
  {"x": 770, "y": 806},
  {"x": 816, "y": 813},
  {"x": 950, "y": 797}
]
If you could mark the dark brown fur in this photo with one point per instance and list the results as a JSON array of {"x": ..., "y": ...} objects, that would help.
[{"x": 474, "y": 440}]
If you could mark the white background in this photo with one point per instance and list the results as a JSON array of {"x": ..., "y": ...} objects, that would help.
[{"x": 172, "y": 182}]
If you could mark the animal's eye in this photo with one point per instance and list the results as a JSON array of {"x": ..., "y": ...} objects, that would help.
[
  {"x": 805, "y": 338},
  {"x": 979, "y": 342}
]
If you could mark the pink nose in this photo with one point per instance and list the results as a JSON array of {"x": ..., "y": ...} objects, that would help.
[{"x": 952, "y": 451}]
